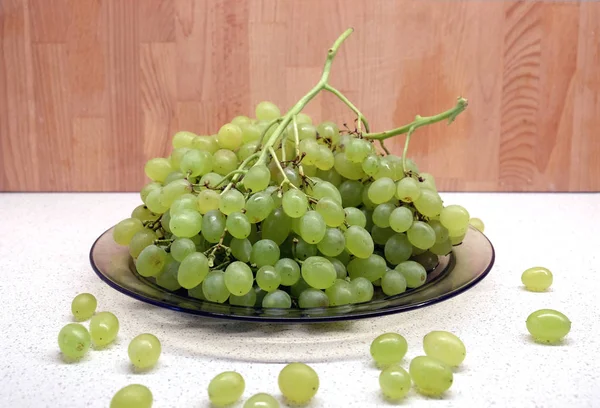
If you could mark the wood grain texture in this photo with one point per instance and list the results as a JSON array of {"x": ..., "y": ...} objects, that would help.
[{"x": 90, "y": 89}]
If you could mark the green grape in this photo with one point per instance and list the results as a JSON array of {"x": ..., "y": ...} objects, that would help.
[
  {"x": 395, "y": 164},
  {"x": 183, "y": 139},
  {"x": 224, "y": 162},
  {"x": 457, "y": 236},
  {"x": 397, "y": 249},
  {"x": 267, "y": 278},
  {"x": 445, "y": 347},
  {"x": 297, "y": 288},
  {"x": 238, "y": 278},
  {"x": 429, "y": 203},
  {"x": 312, "y": 227},
  {"x": 126, "y": 229},
  {"x": 213, "y": 226},
  {"x": 362, "y": 290},
  {"x": 231, "y": 201},
  {"x": 186, "y": 223},
  {"x": 309, "y": 170},
  {"x": 197, "y": 163},
  {"x": 182, "y": 247},
  {"x": 382, "y": 190},
  {"x": 168, "y": 275},
  {"x": 247, "y": 300},
  {"x": 83, "y": 306},
  {"x": 421, "y": 235},
  {"x": 257, "y": 178},
  {"x": 273, "y": 192},
  {"x": 197, "y": 293},
  {"x": 277, "y": 226},
  {"x": 229, "y": 136},
  {"x": 330, "y": 176},
  {"x": 153, "y": 185},
  {"x": 381, "y": 235},
  {"x": 208, "y": 200},
  {"x": 277, "y": 299},
  {"x": 266, "y": 110},
  {"x": 310, "y": 149},
  {"x": 318, "y": 272},
  {"x": 214, "y": 288},
  {"x": 237, "y": 225},
  {"x": 132, "y": 396},
  {"x": 548, "y": 326},
  {"x": 250, "y": 132},
  {"x": 393, "y": 283},
  {"x": 340, "y": 267},
  {"x": 193, "y": 270},
  {"x": 325, "y": 159},
  {"x": 305, "y": 250},
  {"x": 74, "y": 341},
  {"x": 351, "y": 193},
  {"x": 359, "y": 242},
  {"x": 346, "y": 168},
  {"x": 205, "y": 143},
  {"x": 428, "y": 182},
  {"x": 537, "y": 279},
  {"x": 298, "y": 383},
  {"x": 454, "y": 217},
  {"x": 394, "y": 382},
  {"x": 354, "y": 216},
  {"x": 371, "y": 165},
  {"x": 388, "y": 348},
  {"x": 441, "y": 232},
  {"x": 385, "y": 170},
  {"x": 305, "y": 131},
  {"x": 142, "y": 213},
  {"x": 430, "y": 376},
  {"x": 408, "y": 190},
  {"x": 241, "y": 120},
  {"x": 247, "y": 150},
  {"x": 259, "y": 206},
  {"x": 151, "y": 261},
  {"x": 184, "y": 202},
  {"x": 158, "y": 169},
  {"x": 442, "y": 248},
  {"x": 325, "y": 189},
  {"x": 264, "y": 252},
  {"x": 477, "y": 223},
  {"x": 311, "y": 298},
  {"x": 174, "y": 190},
  {"x": 417, "y": 251},
  {"x": 241, "y": 249},
  {"x": 288, "y": 270},
  {"x": 291, "y": 174},
  {"x": 144, "y": 351},
  {"x": 104, "y": 327},
  {"x": 428, "y": 259},
  {"x": 371, "y": 268},
  {"x": 302, "y": 118},
  {"x": 369, "y": 205},
  {"x": 401, "y": 219},
  {"x": 357, "y": 150},
  {"x": 165, "y": 221},
  {"x": 413, "y": 272},
  {"x": 333, "y": 243},
  {"x": 332, "y": 212},
  {"x": 329, "y": 131},
  {"x": 261, "y": 400},
  {"x": 176, "y": 175},
  {"x": 382, "y": 213},
  {"x": 211, "y": 180},
  {"x": 295, "y": 203},
  {"x": 340, "y": 293}
]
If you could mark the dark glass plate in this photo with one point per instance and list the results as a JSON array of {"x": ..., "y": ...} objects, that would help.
[{"x": 467, "y": 265}]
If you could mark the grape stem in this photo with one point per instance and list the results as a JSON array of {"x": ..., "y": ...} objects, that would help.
[
  {"x": 286, "y": 180},
  {"x": 342, "y": 97},
  {"x": 297, "y": 145},
  {"x": 236, "y": 173}
]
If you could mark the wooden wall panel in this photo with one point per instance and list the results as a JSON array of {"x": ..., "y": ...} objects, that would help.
[{"x": 90, "y": 89}]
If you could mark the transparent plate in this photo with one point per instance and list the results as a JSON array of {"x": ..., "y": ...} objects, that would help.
[{"x": 466, "y": 266}]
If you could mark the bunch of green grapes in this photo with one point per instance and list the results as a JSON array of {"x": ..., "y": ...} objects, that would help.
[{"x": 324, "y": 219}]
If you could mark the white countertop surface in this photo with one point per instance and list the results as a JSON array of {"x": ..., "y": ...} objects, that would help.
[{"x": 44, "y": 246}]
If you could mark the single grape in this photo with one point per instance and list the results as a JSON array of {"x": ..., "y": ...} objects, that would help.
[
  {"x": 211, "y": 180},
  {"x": 267, "y": 278},
  {"x": 277, "y": 226},
  {"x": 167, "y": 278},
  {"x": 428, "y": 259},
  {"x": 340, "y": 267},
  {"x": 312, "y": 227},
  {"x": 126, "y": 229},
  {"x": 74, "y": 340},
  {"x": 331, "y": 176},
  {"x": 298, "y": 383},
  {"x": 259, "y": 206},
  {"x": 325, "y": 159},
  {"x": 357, "y": 150},
  {"x": 388, "y": 348},
  {"x": 394, "y": 382},
  {"x": 445, "y": 347},
  {"x": 144, "y": 351},
  {"x": 238, "y": 278},
  {"x": 397, "y": 249},
  {"x": 311, "y": 298},
  {"x": 325, "y": 189},
  {"x": 257, "y": 178},
  {"x": 382, "y": 214},
  {"x": 290, "y": 173},
  {"x": 413, "y": 272},
  {"x": 371, "y": 165},
  {"x": 184, "y": 202},
  {"x": 261, "y": 400},
  {"x": 247, "y": 300},
  {"x": 165, "y": 221},
  {"x": 295, "y": 203},
  {"x": 346, "y": 168},
  {"x": 241, "y": 249},
  {"x": 381, "y": 235},
  {"x": 153, "y": 202},
  {"x": 289, "y": 271},
  {"x": 186, "y": 223},
  {"x": 214, "y": 288},
  {"x": 182, "y": 247},
  {"x": 408, "y": 190},
  {"x": 537, "y": 279},
  {"x": 104, "y": 328},
  {"x": 132, "y": 396},
  {"x": 421, "y": 235},
  {"x": 151, "y": 261},
  {"x": 153, "y": 185},
  {"x": 382, "y": 190},
  {"x": 205, "y": 143},
  {"x": 354, "y": 216},
  {"x": 477, "y": 223},
  {"x": 371, "y": 268},
  {"x": 351, "y": 192},
  {"x": 318, "y": 272},
  {"x": 278, "y": 299},
  {"x": 175, "y": 175},
  {"x": 441, "y": 232},
  {"x": 208, "y": 200},
  {"x": 224, "y": 162},
  {"x": 429, "y": 203},
  {"x": 183, "y": 139},
  {"x": 359, "y": 242},
  {"x": 229, "y": 136},
  {"x": 333, "y": 243},
  {"x": 331, "y": 211},
  {"x": 143, "y": 213},
  {"x": 158, "y": 169},
  {"x": 548, "y": 326},
  {"x": 231, "y": 201},
  {"x": 393, "y": 283},
  {"x": 340, "y": 293},
  {"x": 428, "y": 181},
  {"x": 362, "y": 290},
  {"x": 430, "y": 376},
  {"x": 266, "y": 110},
  {"x": 226, "y": 388},
  {"x": 368, "y": 204},
  {"x": 213, "y": 226},
  {"x": 84, "y": 306},
  {"x": 241, "y": 120},
  {"x": 192, "y": 270},
  {"x": 237, "y": 225},
  {"x": 197, "y": 163},
  {"x": 264, "y": 252},
  {"x": 454, "y": 217},
  {"x": 302, "y": 118}
]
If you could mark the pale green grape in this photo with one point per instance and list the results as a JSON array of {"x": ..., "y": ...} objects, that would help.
[
  {"x": 197, "y": 163},
  {"x": 277, "y": 299},
  {"x": 351, "y": 192},
  {"x": 382, "y": 190},
  {"x": 238, "y": 226},
  {"x": 357, "y": 150},
  {"x": 213, "y": 226},
  {"x": 74, "y": 340},
  {"x": 266, "y": 110},
  {"x": 329, "y": 131},
  {"x": 430, "y": 376},
  {"x": 186, "y": 223},
  {"x": 302, "y": 118},
  {"x": 248, "y": 300},
  {"x": 298, "y": 383},
  {"x": 413, "y": 272},
  {"x": 385, "y": 170},
  {"x": 205, "y": 143},
  {"x": 247, "y": 150},
  {"x": 371, "y": 268},
  {"x": 174, "y": 190},
  {"x": 238, "y": 278},
  {"x": 289, "y": 271},
  {"x": 183, "y": 139},
  {"x": 153, "y": 185},
  {"x": 325, "y": 159},
  {"x": 442, "y": 248},
  {"x": 211, "y": 180},
  {"x": 184, "y": 202},
  {"x": 401, "y": 219},
  {"x": 176, "y": 175},
  {"x": 241, "y": 249},
  {"x": 428, "y": 259},
  {"x": 310, "y": 149},
  {"x": 259, "y": 206},
  {"x": 395, "y": 164},
  {"x": 267, "y": 278},
  {"x": 165, "y": 221},
  {"x": 250, "y": 132},
  {"x": 382, "y": 214},
  {"x": 231, "y": 201},
  {"x": 369, "y": 205},
  {"x": 346, "y": 168},
  {"x": 333, "y": 243},
  {"x": 229, "y": 136},
  {"x": 214, "y": 288},
  {"x": 257, "y": 178},
  {"x": 126, "y": 229},
  {"x": 104, "y": 327},
  {"x": 132, "y": 396},
  {"x": 445, "y": 347},
  {"x": 359, "y": 242},
  {"x": 192, "y": 270},
  {"x": 354, "y": 216},
  {"x": 224, "y": 162},
  {"x": 143, "y": 213},
  {"x": 151, "y": 261},
  {"x": 261, "y": 400},
  {"x": 83, "y": 306},
  {"x": 454, "y": 217},
  {"x": 394, "y": 382},
  {"x": 241, "y": 120},
  {"x": 371, "y": 165},
  {"x": 340, "y": 293},
  {"x": 291, "y": 174},
  {"x": 312, "y": 227},
  {"x": 144, "y": 351},
  {"x": 208, "y": 200},
  {"x": 362, "y": 290},
  {"x": 393, "y": 282},
  {"x": 168, "y": 275},
  {"x": 331, "y": 211},
  {"x": 388, "y": 348},
  {"x": 548, "y": 325},
  {"x": 397, "y": 249},
  {"x": 264, "y": 252},
  {"x": 311, "y": 298},
  {"x": 277, "y": 226},
  {"x": 429, "y": 203},
  {"x": 331, "y": 176},
  {"x": 537, "y": 279},
  {"x": 421, "y": 235},
  {"x": 457, "y": 236},
  {"x": 340, "y": 267},
  {"x": 158, "y": 169},
  {"x": 441, "y": 232},
  {"x": 181, "y": 248},
  {"x": 325, "y": 189},
  {"x": 297, "y": 288},
  {"x": 295, "y": 203},
  {"x": 318, "y": 272},
  {"x": 296, "y": 225},
  {"x": 274, "y": 193},
  {"x": 309, "y": 170},
  {"x": 381, "y": 235},
  {"x": 305, "y": 131},
  {"x": 408, "y": 190},
  {"x": 477, "y": 223},
  {"x": 428, "y": 182}
]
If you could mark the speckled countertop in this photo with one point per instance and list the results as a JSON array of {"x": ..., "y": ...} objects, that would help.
[{"x": 44, "y": 245}]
